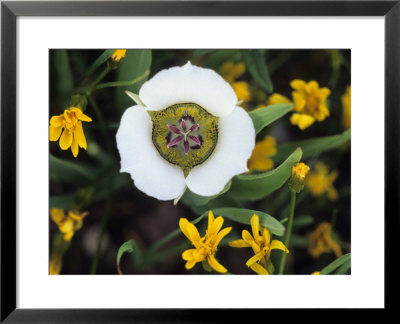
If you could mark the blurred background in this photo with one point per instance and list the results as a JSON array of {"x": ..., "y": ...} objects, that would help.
[{"x": 121, "y": 212}]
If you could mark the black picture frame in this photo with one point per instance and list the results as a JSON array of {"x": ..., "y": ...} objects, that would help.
[{"x": 10, "y": 10}]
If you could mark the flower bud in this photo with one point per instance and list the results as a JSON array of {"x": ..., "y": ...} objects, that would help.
[
  {"x": 299, "y": 173},
  {"x": 116, "y": 57}
]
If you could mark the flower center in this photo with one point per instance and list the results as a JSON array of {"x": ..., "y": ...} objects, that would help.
[
  {"x": 70, "y": 120},
  {"x": 184, "y": 134}
]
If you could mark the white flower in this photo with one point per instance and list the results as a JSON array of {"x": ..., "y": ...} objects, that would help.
[{"x": 186, "y": 130}]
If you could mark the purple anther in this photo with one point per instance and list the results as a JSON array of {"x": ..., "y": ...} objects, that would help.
[
  {"x": 174, "y": 129},
  {"x": 186, "y": 147},
  {"x": 175, "y": 141},
  {"x": 194, "y": 127},
  {"x": 183, "y": 124},
  {"x": 194, "y": 139}
]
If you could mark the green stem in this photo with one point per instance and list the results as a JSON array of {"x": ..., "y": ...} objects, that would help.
[
  {"x": 122, "y": 83},
  {"x": 288, "y": 230},
  {"x": 102, "y": 123},
  {"x": 104, "y": 223},
  {"x": 98, "y": 79}
]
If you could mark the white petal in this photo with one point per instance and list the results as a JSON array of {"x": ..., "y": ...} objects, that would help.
[
  {"x": 151, "y": 173},
  {"x": 236, "y": 140},
  {"x": 189, "y": 83}
]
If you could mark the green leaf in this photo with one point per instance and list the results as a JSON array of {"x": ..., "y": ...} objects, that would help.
[
  {"x": 344, "y": 268},
  {"x": 302, "y": 221},
  {"x": 128, "y": 247},
  {"x": 61, "y": 79},
  {"x": 243, "y": 216},
  {"x": 99, "y": 61},
  {"x": 65, "y": 202},
  {"x": 199, "y": 52},
  {"x": 217, "y": 58},
  {"x": 190, "y": 198},
  {"x": 255, "y": 63},
  {"x": 71, "y": 171},
  {"x": 257, "y": 186},
  {"x": 312, "y": 146},
  {"x": 262, "y": 117},
  {"x": 336, "y": 264},
  {"x": 135, "y": 64}
]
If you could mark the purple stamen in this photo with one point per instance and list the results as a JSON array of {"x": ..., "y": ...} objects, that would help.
[
  {"x": 174, "y": 129},
  {"x": 175, "y": 141},
  {"x": 195, "y": 139},
  {"x": 183, "y": 124},
  {"x": 186, "y": 146},
  {"x": 194, "y": 127}
]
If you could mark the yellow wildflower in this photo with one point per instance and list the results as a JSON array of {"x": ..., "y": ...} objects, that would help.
[
  {"x": 260, "y": 158},
  {"x": 55, "y": 264},
  {"x": 321, "y": 181},
  {"x": 72, "y": 136},
  {"x": 67, "y": 224},
  {"x": 321, "y": 241},
  {"x": 206, "y": 246},
  {"x": 277, "y": 98},
  {"x": 242, "y": 90},
  {"x": 316, "y": 273},
  {"x": 346, "y": 103},
  {"x": 261, "y": 245},
  {"x": 309, "y": 103},
  {"x": 118, "y": 55},
  {"x": 299, "y": 173},
  {"x": 231, "y": 71}
]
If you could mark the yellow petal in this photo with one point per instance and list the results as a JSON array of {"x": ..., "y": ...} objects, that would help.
[
  {"x": 257, "y": 257},
  {"x": 246, "y": 236},
  {"x": 298, "y": 85},
  {"x": 57, "y": 121},
  {"x": 83, "y": 117},
  {"x": 255, "y": 228},
  {"x": 74, "y": 147},
  {"x": 210, "y": 219},
  {"x": 215, "y": 264},
  {"x": 215, "y": 226},
  {"x": 190, "y": 264},
  {"x": 312, "y": 87},
  {"x": 239, "y": 244},
  {"x": 266, "y": 236},
  {"x": 189, "y": 230},
  {"x": 57, "y": 215},
  {"x": 299, "y": 101},
  {"x": 277, "y": 98},
  {"x": 55, "y": 132},
  {"x": 278, "y": 245},
  {"x": 258, "y": 268},
  {"x": 80, "y": 136},
  {"x": 263, "y": 164},
  {"x": 302, "y": 120},
  {"x": 188, "y": 254},
  {"x": 332, "y": 193},
  {"x": 221, "y": 235},
  {"x": 66, "y": 140}
]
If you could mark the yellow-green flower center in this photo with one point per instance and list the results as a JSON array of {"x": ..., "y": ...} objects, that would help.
[{"x": 184, "y": 134}]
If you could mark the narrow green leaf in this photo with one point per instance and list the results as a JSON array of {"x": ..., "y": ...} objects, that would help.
[
  {"x": 336, "y": 264},
  {"x": 61, "y": 78},
  {"x": 219, "y": 57},
  {"x": 190, "y": 198},
  {"x": 312, "y": 146},
  {"x": 255, "y": 63},
  {"x": 99, "y": 61},
  {"x": 243, "y": 216},
  {"x": 199, "y": 52},
  {"x": 302, "y": 221},
  {"x": 257, "y": 186},
  {"x": 135, "y": 64},
  {"x": 344, "y": 268},
  {"x": 262, "y": 117},
  {"x": 71, "y": 171},
  {"x": 128, "y": 247}
]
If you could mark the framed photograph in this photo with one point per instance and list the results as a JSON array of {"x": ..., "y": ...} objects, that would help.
[{"x": 153, "y": 149}]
